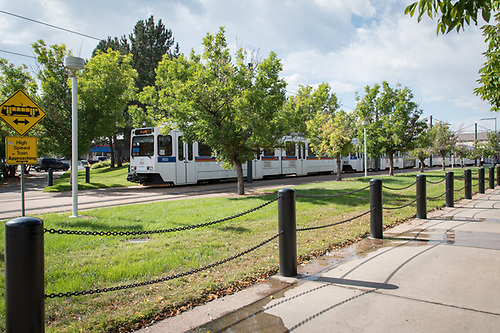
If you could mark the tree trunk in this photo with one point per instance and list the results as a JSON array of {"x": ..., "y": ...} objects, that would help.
[
  {"x": 391, "y": 165},
  {"x": 241, "y": 179},
  {"x": 339, "y": 168},
  {"x": 422, "y": 164},
  {"x": 443, "y": 164},
  {"x": 112, "y": 152}
]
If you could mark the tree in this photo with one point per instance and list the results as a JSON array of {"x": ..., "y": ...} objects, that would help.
[
  {"x": 491, "y": 148},
  {"x": 462, "y": 151},
  {"x": 116, "y": 44},
  {"x": 423, "y": 148},
  {"x": 443, "y": 140},
  {"x": 453, "y": 14},
  {"x": 331, "y": 135},
  {"x": 149, "y": 43},
  {"x": 393, "y": 118},
  {"x": 234, "y": 108},
  {"x": 106, "y": 87},
  {"x": 55, "y": 99},
  {"x": 307, "y": 104}
]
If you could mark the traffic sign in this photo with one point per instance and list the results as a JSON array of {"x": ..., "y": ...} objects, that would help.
[
  {"x": 21, "y": 150},
  {"x": 20, "y": 112}
]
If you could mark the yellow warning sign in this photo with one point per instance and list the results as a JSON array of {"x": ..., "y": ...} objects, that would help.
[
  {"x": 21, "y": 150},
  {"x": 20, "y": 112}
]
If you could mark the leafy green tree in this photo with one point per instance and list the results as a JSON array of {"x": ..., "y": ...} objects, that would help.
[
  {"x": 457, "y": 14},
  {"x": 114, "y": 43},
  {"x": 423, "y": 148},
  {"x": 453, "y": 14},
  {"x": 55, "y": 99},
  {"x": 307, "y": 104},
  {"x": 232, "y": 107},
  {"x": 149, "y": 43},
  {"x": 106, "y": 86},
  {"x": 443, "y": 140},
  {"x": 331, "y": 135},
  {"x": 393, "y": 118},
  {"x": 491, "y": 148},
  {"x": 462, "y": 151}
]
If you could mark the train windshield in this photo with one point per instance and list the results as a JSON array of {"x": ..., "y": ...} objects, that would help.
[{"x": 143, "y": 146}]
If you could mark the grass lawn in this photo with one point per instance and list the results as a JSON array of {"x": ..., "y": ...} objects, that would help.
[
  {"x": 99, "y": 178},
  {"x": 76, "y": 263}
]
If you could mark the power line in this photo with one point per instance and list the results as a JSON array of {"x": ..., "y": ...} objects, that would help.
[
  {"x": 49, "y": 25},
  {"x": 19, "y": 54}
]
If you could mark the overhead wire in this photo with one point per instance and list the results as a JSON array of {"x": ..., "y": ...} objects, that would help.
[{"x": 50, "y": 25}]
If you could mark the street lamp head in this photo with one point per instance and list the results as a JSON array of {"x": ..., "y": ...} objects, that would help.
[
  {"x": 364, "y": 123},
  {"x": 74, "y": 63}
]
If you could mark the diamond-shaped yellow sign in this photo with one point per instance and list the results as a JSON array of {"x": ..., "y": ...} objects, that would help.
[{"x": 20, "y": 112}]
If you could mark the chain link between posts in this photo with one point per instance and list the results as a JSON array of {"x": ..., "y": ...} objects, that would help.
[{"x": 149, "y": 232}]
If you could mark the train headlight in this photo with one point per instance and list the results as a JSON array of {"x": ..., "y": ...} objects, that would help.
[{"x": 150, "y": 168}]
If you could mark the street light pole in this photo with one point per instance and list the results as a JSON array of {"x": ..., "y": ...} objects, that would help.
[
  {"x": 76, "y": 64},
  {"x": 365, "y": 123}
]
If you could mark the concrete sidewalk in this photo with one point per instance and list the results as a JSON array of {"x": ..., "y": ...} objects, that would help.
[{"x": 435, "y": 275}]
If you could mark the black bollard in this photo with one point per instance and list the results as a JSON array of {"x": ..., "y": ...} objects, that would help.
[
  {"x": 87, "y": 174},
  {"x": 480, "y": 174},
  {"x": 468, "y": 184},
  {"x": 376, "y": 212},
  {"x": 491, "y": 178},
  {"x": 50, "y": 177},
  {"x": 288, "y": 232},
  {"x": 24, "y": 275},
  {"x": 450, "y": 189},
  {"x": 498, "y": 175},
  {"x": 421, "y": 197}
]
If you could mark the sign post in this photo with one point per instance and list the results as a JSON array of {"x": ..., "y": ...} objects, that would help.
[{"x": 21, "y": 113}]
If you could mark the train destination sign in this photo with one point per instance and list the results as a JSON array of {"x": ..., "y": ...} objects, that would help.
[
  {"x": 21, "y": 150},
  {"x": 20, "y": 112}
]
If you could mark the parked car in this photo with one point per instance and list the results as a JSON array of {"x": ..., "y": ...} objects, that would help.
[{"x": 53, "y": 163}]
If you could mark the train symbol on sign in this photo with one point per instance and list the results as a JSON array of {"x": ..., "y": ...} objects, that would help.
[{"x": 16, "y": 110}]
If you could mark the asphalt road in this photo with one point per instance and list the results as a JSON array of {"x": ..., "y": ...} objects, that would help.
[{"x": 39, "y": 202}]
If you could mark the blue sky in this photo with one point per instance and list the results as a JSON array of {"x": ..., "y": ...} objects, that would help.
[{"x": 348, "y": 44}]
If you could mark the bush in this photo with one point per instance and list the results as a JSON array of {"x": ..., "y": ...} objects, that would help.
[{"x": 102, "y": 164}]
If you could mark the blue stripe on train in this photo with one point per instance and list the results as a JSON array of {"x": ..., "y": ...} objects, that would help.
[{"x": 166, "y": 159}]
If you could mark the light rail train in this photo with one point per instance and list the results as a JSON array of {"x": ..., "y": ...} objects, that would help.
[{"x": 158, "y": 158}]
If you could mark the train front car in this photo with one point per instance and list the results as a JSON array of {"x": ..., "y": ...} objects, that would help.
[{"x": 148, "y": 149}]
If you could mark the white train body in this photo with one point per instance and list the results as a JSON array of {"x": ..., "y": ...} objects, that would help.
[{"x": 158, "y": 158}]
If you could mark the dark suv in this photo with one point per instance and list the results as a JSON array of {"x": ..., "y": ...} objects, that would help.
[{"x": 47, "y": 163}]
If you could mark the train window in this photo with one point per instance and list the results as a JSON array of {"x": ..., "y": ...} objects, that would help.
[
  {"x": 302, "y": 150},
  {"x": 190, "y": 151},
  {"x": 180, "y": 146},
  {"x": 143, "y": 146},
  {"x": 164, "y": 145},
  {"x": 204, "y": 150},
  {"x": 268, "y": 152},
  {"x": 311, "y": 152},
  {"x": 290, "y": 148}
]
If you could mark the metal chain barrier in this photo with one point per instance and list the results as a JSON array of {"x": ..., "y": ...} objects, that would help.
[
  {"x": 438, "y": 182},
  {"x": 163, "y": 279},
  {"x": 149, "y": 232},
  {"x": 400, "y": 207},
  {"x": 332, "y": 195},
  {"x": 336, "y": 223},
  {"x": 437, "y": 197},
  {"x": 460, "y": 189},
  {"x": 399, "y": 189}
]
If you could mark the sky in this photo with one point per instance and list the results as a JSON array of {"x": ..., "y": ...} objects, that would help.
[{"x": 347, "y": 44}]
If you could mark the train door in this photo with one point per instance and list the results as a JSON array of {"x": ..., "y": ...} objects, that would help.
[
  {"x": 301, "y": 159},
  {"x": 186, "y": 168}
]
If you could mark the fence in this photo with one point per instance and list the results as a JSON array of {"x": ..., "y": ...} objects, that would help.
[{"x": 24, "y": 244}]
